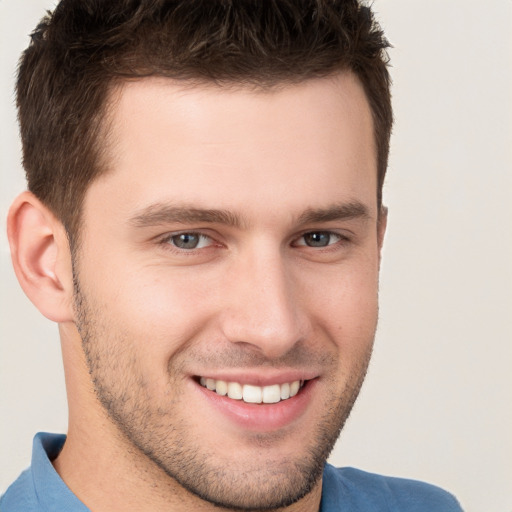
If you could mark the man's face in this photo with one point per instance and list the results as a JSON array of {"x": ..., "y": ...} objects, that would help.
[{"x": 232, "y": 248}]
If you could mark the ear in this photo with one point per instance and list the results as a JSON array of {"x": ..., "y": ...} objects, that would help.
[
  {"x": 382, "y": 223},
  {"x": 41, "y": 257}
]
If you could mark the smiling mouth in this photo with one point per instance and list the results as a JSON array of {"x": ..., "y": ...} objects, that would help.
[{"x": 253, "y": 394}]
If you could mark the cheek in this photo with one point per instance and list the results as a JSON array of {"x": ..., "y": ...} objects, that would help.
[
  {"x": 346, "y": 299},
  {"x": 158, "y": 308}
]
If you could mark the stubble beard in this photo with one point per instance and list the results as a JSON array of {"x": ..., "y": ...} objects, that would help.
[{"x": 165, "y": 441}]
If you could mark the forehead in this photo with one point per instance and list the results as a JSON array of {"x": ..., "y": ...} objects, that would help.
[{"x": 223, "y": 146}]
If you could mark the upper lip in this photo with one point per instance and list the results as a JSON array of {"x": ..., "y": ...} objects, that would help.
[{"x": 259, "y": 378}]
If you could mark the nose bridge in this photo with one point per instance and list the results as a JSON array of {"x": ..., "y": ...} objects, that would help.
[{"x": 262, "y": 308}]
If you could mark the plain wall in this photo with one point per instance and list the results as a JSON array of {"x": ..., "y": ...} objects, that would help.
[{"x": 437, "y": 403}]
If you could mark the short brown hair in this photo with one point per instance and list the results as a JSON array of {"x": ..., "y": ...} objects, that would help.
[{"x": 78, "y": 52}]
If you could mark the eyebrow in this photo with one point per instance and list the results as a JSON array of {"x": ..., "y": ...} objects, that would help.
[
  {"x": 159, "y": 214},
  {"x": 341, "y": 211}
]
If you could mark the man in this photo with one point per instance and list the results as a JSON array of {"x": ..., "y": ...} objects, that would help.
[{"x": 204, "y": 223}]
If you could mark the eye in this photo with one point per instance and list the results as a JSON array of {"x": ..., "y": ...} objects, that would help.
[
  {"x": 189, "y": 240},
  {"x": 318, "y": 239}
]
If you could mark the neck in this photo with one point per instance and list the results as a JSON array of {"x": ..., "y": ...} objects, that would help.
[{"x": 118, "y": 478}]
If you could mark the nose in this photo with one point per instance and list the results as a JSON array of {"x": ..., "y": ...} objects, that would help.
[{"x": 264, "y": 307}]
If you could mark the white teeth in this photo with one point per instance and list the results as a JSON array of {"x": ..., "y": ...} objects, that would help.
[
  {"x": 235, "y": 391},
  {"x": 221, "y": 387},
  {"x": 294, "y": 387},
  {"x": 253, "y": 394},
  {"x": 272, "y": 394}
]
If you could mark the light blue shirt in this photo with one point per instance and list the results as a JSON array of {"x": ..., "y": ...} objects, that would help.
[{"x": 40, "y": 489}]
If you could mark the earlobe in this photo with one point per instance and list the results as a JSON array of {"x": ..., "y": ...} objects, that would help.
[{"x": 41, "y": 257}]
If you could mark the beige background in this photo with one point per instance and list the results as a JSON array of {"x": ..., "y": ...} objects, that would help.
[{"x": 437, "y": 404}]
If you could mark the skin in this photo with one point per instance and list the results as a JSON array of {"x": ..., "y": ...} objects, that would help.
[{"x": 141, "y": 319}]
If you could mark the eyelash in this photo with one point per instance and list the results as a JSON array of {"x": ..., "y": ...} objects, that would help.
[
  {"x": 169, "y": 244},
  {"x": 168, "y": 241},
  {"x": 339, "y": 238}
]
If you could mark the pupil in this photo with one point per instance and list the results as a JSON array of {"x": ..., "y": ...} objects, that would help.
[
  {"x": 186, "y": 241},
  {"x": 317, "y": 239}
]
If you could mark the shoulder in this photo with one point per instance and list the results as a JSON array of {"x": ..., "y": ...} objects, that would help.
[
  {"x": 369, "y": 491},
  {"x": 40, "y": 488},
  {"x": 20, "y": 496}
]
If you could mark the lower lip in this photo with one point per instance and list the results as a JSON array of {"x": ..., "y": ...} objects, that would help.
[{"x": 261, "y": 417}]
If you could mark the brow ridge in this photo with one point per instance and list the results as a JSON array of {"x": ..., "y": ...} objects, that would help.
[
  {"x": 340, "y": 211},
  {"x": 159, "y": 214}
]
